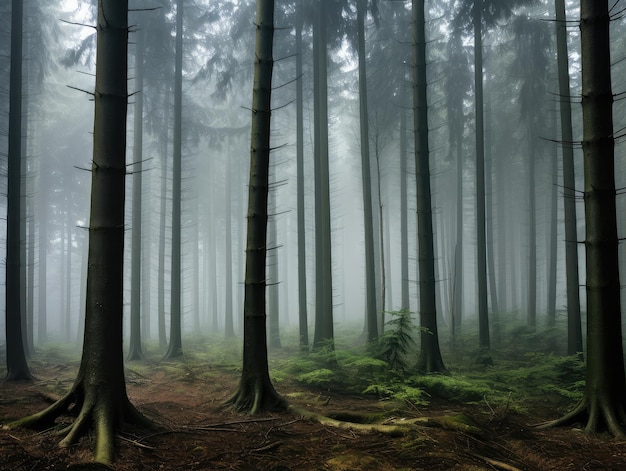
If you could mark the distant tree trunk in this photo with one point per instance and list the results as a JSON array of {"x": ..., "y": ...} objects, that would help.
[
  {"x": 162, "y": 224},
  {"x": 430, "y": 356},
  {"x": 458, "y": 253},
  {"x": 323, "y": 260},
  {"x": 371, "y": 316},
  {"x": 68, "y": 272},
  {"x": 302, "y": 298},
  {"x": 98, "y": 398},
  {"x": 273, "y": 309},
  {"x": 552, "y": 236},
  {"x": 196, "y": 267},
  {"x": 17, "y": 366},
  {"x": 574, "y": 330},
  {"x": 134, "y": 350},
  {"x": 481, "y": 261},
  {"x": 602, "y": 406},
  {"x": 404, "y": 211},
  {"x": 256, "y": 393},
  {"x": 30, "y": 292},
  {"x": 229, "y": 330},
  {"x": 212, "y": 259},
  {"x": 532, "y": 228},
  {"x": 491, "y": 268},
  {"x": 42, "y": 278},
  {"x": 175, "y": 348}
]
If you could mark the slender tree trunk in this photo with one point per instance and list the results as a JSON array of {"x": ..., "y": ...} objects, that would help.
[
  {"x": 134, "y": 350},
  {"x": 574, "y": 330},
  {"x": 481, "y": 261},
  {"x": 272, "y": 269},
  {"x": 229, "y": 329},
  {"x": 302, "y": 295},
  {"x": 323, "y": 260},
  {"x": 162, "y": 224},
  {"x": 42, "y": 278},
  {"x": 404, "y": 211},
  {"x": 604, "y": 402},
  {"x": 256, "y": 392},
  {"x": 17, "y": 366},
  {"x": 531, "y": 303},
  {"x": 552, "y": 236},
  {"x": 175, "y": 348},
  {"x": 430, "y": 356},
  {"x": 98, "y": 398},
  {"x": 458, "y": 255},
  {"x": 371, "y": 317},
  {"x": 68, "y": 273}
]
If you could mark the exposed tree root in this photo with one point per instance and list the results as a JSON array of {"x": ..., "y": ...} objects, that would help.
[
  {"x": 256, "y": 397},
  {"x": 98, "y": 411},
  {"x": 598, "y": 415}
]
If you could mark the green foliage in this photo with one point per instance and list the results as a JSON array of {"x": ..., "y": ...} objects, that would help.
[{"x": 395, "y": 345}]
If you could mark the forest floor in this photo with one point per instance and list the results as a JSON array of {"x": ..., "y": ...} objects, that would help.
[{"x": 198, "y": 435}]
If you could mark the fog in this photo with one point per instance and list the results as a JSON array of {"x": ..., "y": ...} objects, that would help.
[{"x": 59, "y": 65}]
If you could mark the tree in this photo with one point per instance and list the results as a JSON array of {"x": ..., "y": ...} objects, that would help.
[
  {"x": 255, "y": 392},
  {"x": 430, "y": 356},
  {"x": 134, "y": 349},
  {"x": 574, "y": 331},
  {"x": 98, "y": 395},
  {"x": 604, "y": 401},
  {"x": 17, "y": 366},
  {"x": 175, "y": 348}
]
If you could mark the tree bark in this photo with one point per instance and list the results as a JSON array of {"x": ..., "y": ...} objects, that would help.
[
  {"x": 574, "y": 330},
  {"x": 256, "y": 393},
  {"x": 17, "y": 366},
  {"x": 604, "y": 402},
  {"x": 99, "y": 393},
  {"x": 175, "y": 348},
  {"x": 430, "y": 356}
]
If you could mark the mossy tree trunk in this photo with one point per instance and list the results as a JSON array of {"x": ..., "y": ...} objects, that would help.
[
  {"x": 430, "y": 356},
  {"x": 255, "y": 392},
  {"x": 604, "y": 402},
  {"x": 99, "y": 392}
]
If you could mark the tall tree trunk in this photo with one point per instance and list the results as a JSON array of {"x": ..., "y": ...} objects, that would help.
[
  {"x": 134, "y": 349},
  {"x": 552, "y": 236},
  {"x": 531, "y": 299},
  {"x": 302, "y": 298},
  {"x": 17, "y": 366},
  {"x": 255, "y": 392},
  {"x": 162, "y": 224},
  {"x": 68, "y": 272},
  {"x": 404, "y": 211},
  {"x": 458, "y": 253},
  {"x": 98, "y": 398},
  {"x": 323, "y": 260},
  {"x": 602, "y": 406},
  {"x": 430, "y": 356},
  {"x": 371, "y": 317},
  {"x": 175, "y": 348},
  {"x": 42, "y": 278},
  {"x": 481, "y": 260},
  {"x": 574, "y": 330},
  {"x": 273, "y": 260}
]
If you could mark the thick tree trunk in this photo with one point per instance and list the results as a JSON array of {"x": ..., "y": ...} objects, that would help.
[
  {"x": 134, "y": 349},
  {"x": 574, "y": 330},
  {"x": 371, "y": 318},
  {"x": 430, "y": 356},
  {"x": 256, "y": 392},
  {"x": 175, "y": 348},
  {"x": 99, "y": 394},
  {"x": 17, "y": 366},
  {"x": 302, "y": 296},
  {"x": 604, "y": 402}
]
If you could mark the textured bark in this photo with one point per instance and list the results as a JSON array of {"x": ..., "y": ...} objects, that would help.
[
  {"x": 430, "y": 356},
  {"x": 175, "y": 348},
  {"x": 98, "y": 397},
  {"x": 17, "y": 366},
  {"x": 256, "y": 392},
  {"x": 574, "y": 330},
  {"x": 603, "y": 405}
]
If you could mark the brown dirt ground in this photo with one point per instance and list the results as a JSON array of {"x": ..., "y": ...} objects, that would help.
[{"x": 198, "y": 435}]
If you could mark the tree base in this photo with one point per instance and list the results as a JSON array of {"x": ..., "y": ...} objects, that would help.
[
  {"x": 597, "y": 414},
  {"x": 255, "y": 398},
  {"x": 93, "y": 409}
]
